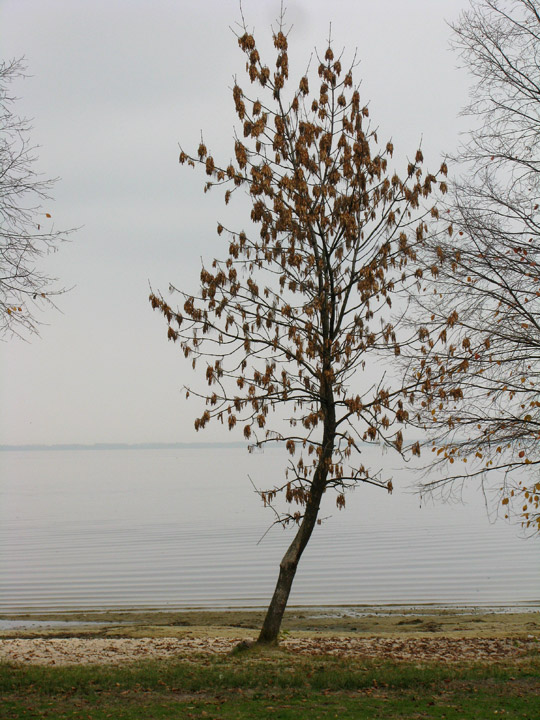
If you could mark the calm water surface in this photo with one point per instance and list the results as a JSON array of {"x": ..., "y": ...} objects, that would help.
[{"x": 180, "y": 528}]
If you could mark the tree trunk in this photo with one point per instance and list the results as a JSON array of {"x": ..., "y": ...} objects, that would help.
[{"x": 287, "y": 568}]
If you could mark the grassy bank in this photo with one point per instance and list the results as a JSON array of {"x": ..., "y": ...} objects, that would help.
[{"x": 273, "y": 685}]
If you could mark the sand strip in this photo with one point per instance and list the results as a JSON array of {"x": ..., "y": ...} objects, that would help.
[{"x": 70, "y": 651}]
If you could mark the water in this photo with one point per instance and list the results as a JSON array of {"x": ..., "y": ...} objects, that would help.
[{"x": 179, "y": 528}]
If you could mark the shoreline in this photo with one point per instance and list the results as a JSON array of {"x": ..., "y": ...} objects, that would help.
[
  {"x": 338, "y": 608},
  {"x": 317, "y": 621},
  {"x": 423, "y": 634}
]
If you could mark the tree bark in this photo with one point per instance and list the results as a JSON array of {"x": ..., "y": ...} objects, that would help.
[{"x": 287, "y": 570}]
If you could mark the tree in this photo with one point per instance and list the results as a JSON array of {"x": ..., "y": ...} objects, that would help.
[
  {"x": 297, "y": 317},
  {"x": 480, "y": 366},
  {"x": 24, "y": 289}
]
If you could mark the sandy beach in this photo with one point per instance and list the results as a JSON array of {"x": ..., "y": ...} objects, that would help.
[
  {"x": 70, "y": 651},
  {"x": 117, "y": 637}
]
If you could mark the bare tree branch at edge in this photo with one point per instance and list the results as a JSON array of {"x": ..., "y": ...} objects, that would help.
[
  {"x": 479, "y": 363},
  {"x": 26, "y": 231}
]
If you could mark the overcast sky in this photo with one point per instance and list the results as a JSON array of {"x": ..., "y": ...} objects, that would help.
[{"x": 113, "y": 87}]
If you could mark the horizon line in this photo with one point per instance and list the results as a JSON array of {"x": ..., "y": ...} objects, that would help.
[{"x": 122, "y": 446}]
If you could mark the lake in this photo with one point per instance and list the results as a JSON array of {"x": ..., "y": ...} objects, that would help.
[{"x": 179, "y": 528}]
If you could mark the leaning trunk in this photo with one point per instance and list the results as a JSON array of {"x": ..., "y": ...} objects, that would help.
[{"x": 287, "y": 570}]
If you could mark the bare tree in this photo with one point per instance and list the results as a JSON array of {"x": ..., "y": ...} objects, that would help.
[
  {"x": 480, "y": 366},
  {"x": 26, "y": 234},
  {"x": 298, "y": 315}
]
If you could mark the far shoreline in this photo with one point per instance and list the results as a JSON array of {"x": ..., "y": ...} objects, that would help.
[{"x": 62, "y": 447}]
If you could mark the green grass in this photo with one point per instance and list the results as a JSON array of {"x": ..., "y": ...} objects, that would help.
[{"x": 273, "y": 685}]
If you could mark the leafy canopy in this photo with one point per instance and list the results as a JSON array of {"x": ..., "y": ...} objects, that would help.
[{"x": 298, "y": 314}]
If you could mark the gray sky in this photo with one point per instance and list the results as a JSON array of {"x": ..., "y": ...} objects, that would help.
[{"x": 115, "y": 85}]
